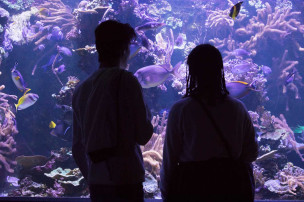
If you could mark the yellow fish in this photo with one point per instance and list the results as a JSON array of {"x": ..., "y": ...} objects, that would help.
[
  {"x": 52, "y": 124},
  {"x": 44, "y": 11},
  {"x": 26, "y": 100},
  {"x": 234, "y": 11}
]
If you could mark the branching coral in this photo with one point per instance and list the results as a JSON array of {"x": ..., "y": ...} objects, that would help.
[
  {"x": 283, "y": 69},
  {"x": 266, "y": 24},
  {"x": 220, "y": 23},
  {"x": 153, "y": 150},
  {"x": 288, "y": 138},
  {"x": 287, "y": 180},
  {"x": 53, "y": 14},
  {"x": 8, "y": 129}
]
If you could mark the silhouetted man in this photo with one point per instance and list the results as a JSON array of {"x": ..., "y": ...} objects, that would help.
[{"x": 110, "y": 121}]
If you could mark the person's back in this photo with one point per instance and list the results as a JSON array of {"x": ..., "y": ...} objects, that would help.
[
  {"x": 210, "y": 139},
  {"x": 110, "y": 121}
]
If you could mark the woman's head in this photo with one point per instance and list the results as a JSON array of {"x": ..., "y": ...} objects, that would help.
[
  {"x": 206, "y": 73},
  {"x": 112, "y": 42}
]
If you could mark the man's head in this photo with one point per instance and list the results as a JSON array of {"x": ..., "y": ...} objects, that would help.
[{"x": 112, "y": 43}]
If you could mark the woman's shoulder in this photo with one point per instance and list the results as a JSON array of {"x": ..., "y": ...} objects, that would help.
[{"x": 180, "y": 104}]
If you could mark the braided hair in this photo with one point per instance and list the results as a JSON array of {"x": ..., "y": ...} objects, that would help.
[{"x": 206, "y": 74}]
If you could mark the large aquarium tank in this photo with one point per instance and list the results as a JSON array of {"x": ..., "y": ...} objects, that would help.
[{"x": 47, "y": 49}]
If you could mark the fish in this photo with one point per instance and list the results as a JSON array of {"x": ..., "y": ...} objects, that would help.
[
  {"x": 61, "y": 131},
  {"x": 290, "y": 77},
  {"x": 266, "y": 70},
  {"x": 240, "y": 52},
  {"x": 64, "y": 50},
  {"x": 18, "y": 79},
  {"x": 26, "y": 100},
  {"x": 41, "y": 47},
  {"x": 179, "y": 40},
  {"x": 44, "y": 11},
  {"x": 56, "y": 34},
  {"x": 154, "y": 75},
  {"x": 51, "y": 61},
  {"x": 239, "y": 89},
  {"x": 149, "y": 26},
  {"x": 299, "y": 129},
  {"x": 65, "y": 108},
  {"x": 52, "y": 124},
  {"x": 13, "y": 181},
  {"x": 134, "y": 49},
  {"x": 234, "y": 11},
  {"x": 60, "y": 69},
  {"x": 241, "y": 68}
]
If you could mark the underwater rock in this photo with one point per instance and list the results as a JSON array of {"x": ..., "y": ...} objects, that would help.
[
  {"x": 150, "y": 184},
  {"x": 71, "y": 180},
  {"x": 61, "y": 173},
  {"x": 28, "y": 162},
  {"x": 275, "y": 135},
  {"x": 276, "y": 187}
]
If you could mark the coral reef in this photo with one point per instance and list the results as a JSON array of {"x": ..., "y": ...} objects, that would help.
[
  {"x": 267, "y": 24},
  {"x": 8, "y": 129},
  {"x": 283, "y": 68},
  {"x": 66, "y": 92},
  {"x": 287, "y": 181},
  {"x": 18, "y": 4},
  {"x": 153, "y": 150}
]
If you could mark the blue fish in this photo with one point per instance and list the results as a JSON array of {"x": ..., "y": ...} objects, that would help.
[
  {"x": 60, "y": 69},
  {"x": 290, "y": 77},
  {"x": 51, "y": 61},
  {"x": 266, "y": 70},
  {"x": 148, "y": 26},
  {"x": 154, "y": 75},
  {"x": 61, "y": 130},
  {"x": 64, "y": 50},
  {"x": 241, "y": 68},
  {"x": 240, "y": 52},
  {"x": 18, "y": 79},
  {"x": 56, "y": 34},
  {"x": 134, "y": 49},
  {"x": 179, "y": 40},
  {"x": 239, "y": 89}
]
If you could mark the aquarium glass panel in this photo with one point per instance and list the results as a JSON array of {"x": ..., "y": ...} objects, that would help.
[{"x": 47, "y": 48}]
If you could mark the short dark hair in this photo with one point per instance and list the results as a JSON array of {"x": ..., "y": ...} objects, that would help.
[
  {"x": 112, "y": 38},
  {"x": 206, "y": 73}
]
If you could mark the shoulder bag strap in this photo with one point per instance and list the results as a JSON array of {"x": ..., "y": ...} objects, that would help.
[{"x": 217, "y": 128}]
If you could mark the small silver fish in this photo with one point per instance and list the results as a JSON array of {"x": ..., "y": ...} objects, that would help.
[
  {"x": 241, "y": 68},
  {"x": 18, "y": 79},
  {"x": 239, "y": 89},
  {"x": 154, "y": 75}
]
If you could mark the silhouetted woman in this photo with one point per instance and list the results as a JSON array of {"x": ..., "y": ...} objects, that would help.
[{"x": 210, "y": 140}]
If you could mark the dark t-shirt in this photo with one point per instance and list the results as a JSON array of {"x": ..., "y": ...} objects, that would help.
[{"x": 135, "y": 127}]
